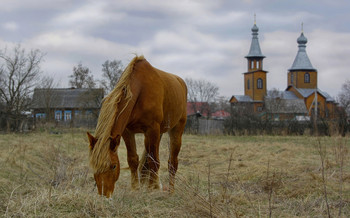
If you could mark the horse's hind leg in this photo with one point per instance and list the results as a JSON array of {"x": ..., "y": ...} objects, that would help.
[
  {"x": 175, "y": 146},
  {"x": 133, "y": 158}
]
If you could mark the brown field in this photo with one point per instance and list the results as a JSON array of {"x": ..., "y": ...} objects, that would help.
[{"x": 47, "y": 175}]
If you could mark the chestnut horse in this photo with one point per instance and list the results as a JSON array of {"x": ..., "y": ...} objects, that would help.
[{"x": 145, "y": 100}]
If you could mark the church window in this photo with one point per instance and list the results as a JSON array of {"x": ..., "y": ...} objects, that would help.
[
  {"x": 248, "y": 84},
  {"x": 260, "y": 83},
  {"x": 291, "y": 78},
  {"x": 307, "y": 78},
  {"x": 252, "y": 65},
  {"x": 257, "y": 65}
]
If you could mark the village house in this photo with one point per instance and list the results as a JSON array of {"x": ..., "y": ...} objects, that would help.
[{"x": 69, "y": 106}]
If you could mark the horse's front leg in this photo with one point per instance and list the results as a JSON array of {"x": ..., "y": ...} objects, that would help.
[
  {"x": 133, "y": 158},
  {"x": 152, "y": 139}
]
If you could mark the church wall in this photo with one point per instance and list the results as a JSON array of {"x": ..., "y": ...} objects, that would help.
[
  {"x": 289, "y": 79},
  {"x": 321, "y": 104},
  {"x": 299, "y": 79},
  {"x": 233, "y": 100},
  {"x": 258, "y": 107},
  {"x": 259, "y": 94},
  {"x": 301, "y": 82},
  {"x": 331, "y": 109},
  {"x": 292, "y": 89},
  {"x": 254, "y": 64},
  {"x": 249, "y": 92}
]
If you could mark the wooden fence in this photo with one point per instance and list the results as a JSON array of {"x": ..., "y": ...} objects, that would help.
[{"x": 204, "y": 126}]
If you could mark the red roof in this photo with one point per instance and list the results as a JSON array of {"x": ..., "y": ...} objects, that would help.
[
  {"x": 204, "y": 109},
  {"x": 194, "y": 107},
  {"x": 220, "y": 114}
]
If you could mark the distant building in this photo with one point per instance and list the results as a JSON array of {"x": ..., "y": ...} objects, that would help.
[
  {"x": 286, "y": 107},
  {"x": 201, "y": 109},
  {"x": 220, "y": 115},
  {"x": 78, "y": 107},
  {"x": 296, "y": 102},
  {"x": 200, "y": 119}
]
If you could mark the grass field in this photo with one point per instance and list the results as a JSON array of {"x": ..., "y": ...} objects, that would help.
[{"x": 47, "y": 175}]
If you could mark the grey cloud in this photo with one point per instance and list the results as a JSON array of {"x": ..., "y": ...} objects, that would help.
[{"x": 199, "y": 39}]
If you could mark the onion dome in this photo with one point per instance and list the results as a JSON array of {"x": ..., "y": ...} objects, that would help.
[
  {"x": 255, "y": 50},
  {"x": 302, "y": 40},
  {"x": 302, "y": 61},
  {"x": 255, "y": 29}
]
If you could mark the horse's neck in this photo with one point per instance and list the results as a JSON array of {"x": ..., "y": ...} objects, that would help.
[{"x": 122, "y": 117}]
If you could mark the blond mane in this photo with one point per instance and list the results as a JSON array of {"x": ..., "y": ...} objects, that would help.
[{"x": 99, "y": 156}]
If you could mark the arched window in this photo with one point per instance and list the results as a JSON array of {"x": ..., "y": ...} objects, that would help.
[
  {"x": 252, "y": 65},
  {"x": 291, "y": 78},
  {"x": 307, "y": 78},
  {"x": 248, "y": 84},
  {"x": 257, "y": 65},
  {"x": 260, "y": 83}
]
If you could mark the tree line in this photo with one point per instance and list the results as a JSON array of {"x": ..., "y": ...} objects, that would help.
[{"x": 20, "y": 73}]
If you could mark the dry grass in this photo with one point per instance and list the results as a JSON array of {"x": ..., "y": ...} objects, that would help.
[{"x": 44, "y": 174}]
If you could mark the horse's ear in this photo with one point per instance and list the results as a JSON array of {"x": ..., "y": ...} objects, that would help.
[
  {"x": 114, "y": 143},
  {"x": 92, "y": 141}
]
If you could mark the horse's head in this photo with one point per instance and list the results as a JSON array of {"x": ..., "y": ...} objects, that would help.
[{"x": 106, "y": 179}]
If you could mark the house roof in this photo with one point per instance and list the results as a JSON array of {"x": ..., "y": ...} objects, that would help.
[
  {"x": 242, "y": 98},
  {"x": 302, "y": 61},
  {"x": 253, "y": 71},
  {"x": 326, "y": 95},
  {"x": 287, "y": 106},
  {"x": 307, "y": 92},
  {"x": 67, "y": 98},
  {"x": 289, "y": 95},
  {"x": 255, "y": 50},
  {"x": 220, "y": 114}
]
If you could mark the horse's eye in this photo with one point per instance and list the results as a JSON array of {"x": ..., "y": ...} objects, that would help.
[{"x": 113, "y": 167}]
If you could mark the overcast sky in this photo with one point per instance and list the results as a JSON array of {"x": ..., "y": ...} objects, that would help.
[{"x": 199, "y": 39}]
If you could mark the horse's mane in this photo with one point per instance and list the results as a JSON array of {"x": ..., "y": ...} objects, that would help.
[{"x": 99, "y": 156}]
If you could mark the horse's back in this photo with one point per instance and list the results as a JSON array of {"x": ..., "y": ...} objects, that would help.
[
  {"x": 161, "y": 93},
  {"x": 161, "y": 82}
]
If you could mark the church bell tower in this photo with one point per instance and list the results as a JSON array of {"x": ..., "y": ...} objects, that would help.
[{"x": 255, "y": 77}]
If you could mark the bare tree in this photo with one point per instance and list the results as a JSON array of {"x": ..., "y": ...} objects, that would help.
[
  {"x": 274, "y": 93},
  {"x": 19, "y": 73},
  {"x": 92, "y": 98},
  {"x": 273, "y": 100},
  {"x": 112, "y": 70},
  {"x": 222, "y": 103},
  {"x": 81, "y": 77},
  {"x": 344, "y": 96},
  {"x": 48, "y": 95},
  {"x": 201, "y": 91}
]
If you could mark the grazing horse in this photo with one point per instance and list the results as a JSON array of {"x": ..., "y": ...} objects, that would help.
[{"x": 145, "y": 100}]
